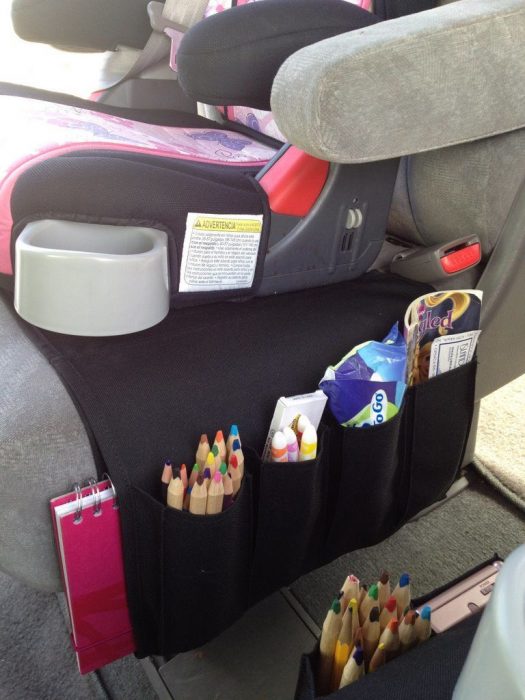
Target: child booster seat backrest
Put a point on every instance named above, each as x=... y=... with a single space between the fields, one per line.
x=262 y=120
x=258 y=119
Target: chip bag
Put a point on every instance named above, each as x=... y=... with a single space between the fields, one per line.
x=367 y=386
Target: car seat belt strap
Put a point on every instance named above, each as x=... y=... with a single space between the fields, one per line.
x=183 y=14
x=179 y=15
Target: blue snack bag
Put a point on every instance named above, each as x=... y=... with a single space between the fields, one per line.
x=367 y=386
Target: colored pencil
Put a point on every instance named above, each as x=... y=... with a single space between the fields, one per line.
x=423 y=624
x=210 y=463
x=383 y=588
x=237 y=452
x=176 y=491
x=228 y=492
x=402 y=594
x=194 y=474
x=330 y=632
x=217 y=459
x=202 y=451
x=167 y=476
x=378 y=659
x=369 y=602
x=407 y=631
x=371 y=634
x=184 y=475
x=199 y=497
x=234 y=435
x=215 y=495
x=354 y=669
x=388 y=612
x=350 y=588
x=221 y=445
x=235 y=475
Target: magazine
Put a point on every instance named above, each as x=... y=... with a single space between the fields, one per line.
x=441 y=331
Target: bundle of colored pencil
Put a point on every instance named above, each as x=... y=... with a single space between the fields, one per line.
x=366 y=627
x=214 y=480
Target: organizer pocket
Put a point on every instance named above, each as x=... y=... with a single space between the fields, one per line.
x=417 y=673
x=436 y=426
x=366 y=475
x=404 y=675
x=203 y=568
x=291 y=520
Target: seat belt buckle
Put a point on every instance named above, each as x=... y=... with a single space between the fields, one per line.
x=438 y=262
x=175 y=36
x=163 y=25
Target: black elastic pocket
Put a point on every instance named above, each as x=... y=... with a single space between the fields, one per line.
x=145 y=595
x=366 y=475
x=430 y=670
x=305 y=688
x=203 y=569
x=291 y=519
x=436 y=427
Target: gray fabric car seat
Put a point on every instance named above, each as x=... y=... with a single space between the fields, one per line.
x=42 y=442
x=97 y=25
x=462 y=190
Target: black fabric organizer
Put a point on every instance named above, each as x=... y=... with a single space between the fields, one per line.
x=149 y=396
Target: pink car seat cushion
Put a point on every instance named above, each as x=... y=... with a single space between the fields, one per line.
x=34 y=130
x=215 y=6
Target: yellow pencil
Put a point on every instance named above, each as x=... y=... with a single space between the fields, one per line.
x=344 y=645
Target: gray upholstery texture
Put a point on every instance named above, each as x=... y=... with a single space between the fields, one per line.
x=458 y=191
x=43 y=450
x=434 y=79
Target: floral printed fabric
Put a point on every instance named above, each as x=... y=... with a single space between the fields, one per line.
x=34 y=130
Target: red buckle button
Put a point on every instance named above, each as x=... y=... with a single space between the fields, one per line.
x=461 y=259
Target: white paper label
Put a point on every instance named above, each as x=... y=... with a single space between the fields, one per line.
x=452 y=351
x=220 y=251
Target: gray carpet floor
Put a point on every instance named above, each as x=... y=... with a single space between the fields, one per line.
x=435 y=549
x=502 y=462
x=36 y=660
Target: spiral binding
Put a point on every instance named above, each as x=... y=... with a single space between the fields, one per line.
x=95 y=491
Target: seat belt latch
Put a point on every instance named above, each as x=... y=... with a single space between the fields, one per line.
x=438 y=262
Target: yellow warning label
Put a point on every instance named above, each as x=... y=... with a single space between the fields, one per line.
x=226 y=224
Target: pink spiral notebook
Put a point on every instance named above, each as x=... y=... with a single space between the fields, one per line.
x=89 y=544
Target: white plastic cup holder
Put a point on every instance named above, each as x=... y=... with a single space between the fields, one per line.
x=91 y=279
